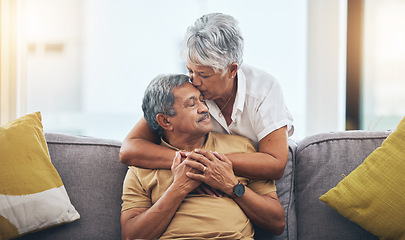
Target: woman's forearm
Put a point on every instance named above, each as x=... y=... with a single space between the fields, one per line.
x=269 y=162
x=145 y=154
x=140 y=148
x=257 y=165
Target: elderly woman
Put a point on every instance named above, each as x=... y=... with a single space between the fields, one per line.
x=242 y=100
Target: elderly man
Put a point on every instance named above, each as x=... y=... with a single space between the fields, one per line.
x=159 y=203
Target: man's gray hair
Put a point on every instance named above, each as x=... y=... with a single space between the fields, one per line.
x=214 y=40
x=159 y=98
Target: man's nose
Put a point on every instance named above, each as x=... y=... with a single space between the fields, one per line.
x=203 y=107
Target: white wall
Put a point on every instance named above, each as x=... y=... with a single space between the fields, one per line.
x=127 y=43
x=383 y=73
x=123 y=44
x=326 y=66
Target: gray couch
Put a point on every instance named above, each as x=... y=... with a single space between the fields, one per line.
x=93 y=177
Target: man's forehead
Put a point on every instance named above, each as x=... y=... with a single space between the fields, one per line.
x=185 y=90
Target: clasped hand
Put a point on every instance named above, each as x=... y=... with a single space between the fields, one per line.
x=179 y=170
x=212 y=168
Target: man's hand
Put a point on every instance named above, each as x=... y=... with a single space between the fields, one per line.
x=179 y=170
x=215 y=170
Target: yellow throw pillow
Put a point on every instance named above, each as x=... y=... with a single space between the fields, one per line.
x=32 y=194
x=373 y=195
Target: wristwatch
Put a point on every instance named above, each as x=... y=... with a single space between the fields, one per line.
x=238 y=190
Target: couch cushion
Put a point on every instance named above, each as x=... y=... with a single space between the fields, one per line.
x=32 y=194
x=373 y=195
x=322 y=161
x=93 y=177
x=285 y=192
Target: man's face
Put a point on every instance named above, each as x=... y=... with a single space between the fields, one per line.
x=192 y=118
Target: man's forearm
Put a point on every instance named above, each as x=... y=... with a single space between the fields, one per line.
x=217 y=172
x=265 y=211
x=153 y=222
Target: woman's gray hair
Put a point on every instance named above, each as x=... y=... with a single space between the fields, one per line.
x=214 y=40
x=159 y=98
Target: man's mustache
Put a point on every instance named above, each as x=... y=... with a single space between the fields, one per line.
x=205 y=115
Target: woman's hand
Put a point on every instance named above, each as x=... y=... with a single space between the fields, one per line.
x=203 y=188
x=215 y=169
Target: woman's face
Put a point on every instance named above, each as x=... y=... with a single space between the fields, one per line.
x=210 y=83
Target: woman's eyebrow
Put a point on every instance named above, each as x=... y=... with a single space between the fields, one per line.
x=199 y=72
x=204 y=72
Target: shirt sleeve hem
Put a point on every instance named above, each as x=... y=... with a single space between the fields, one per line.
x=273 y=127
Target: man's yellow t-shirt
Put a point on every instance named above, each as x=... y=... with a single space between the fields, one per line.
x=199 y=216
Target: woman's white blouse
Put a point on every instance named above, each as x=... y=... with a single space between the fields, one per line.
x=259 y=107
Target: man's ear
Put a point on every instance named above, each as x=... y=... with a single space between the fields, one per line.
x=164 y=122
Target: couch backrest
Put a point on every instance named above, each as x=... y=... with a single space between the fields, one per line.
x=93 y=175
x=321 y=163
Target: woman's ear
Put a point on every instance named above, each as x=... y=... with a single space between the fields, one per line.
x=233 y=69
x=164 y=122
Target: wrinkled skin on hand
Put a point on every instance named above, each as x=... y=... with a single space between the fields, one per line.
x=179 y=170
x=218 y=173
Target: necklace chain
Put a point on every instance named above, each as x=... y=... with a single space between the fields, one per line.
x=229 y=99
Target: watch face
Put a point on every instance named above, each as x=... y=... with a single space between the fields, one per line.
x=239 y=190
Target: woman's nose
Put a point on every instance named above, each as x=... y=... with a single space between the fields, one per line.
x=195 y=80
